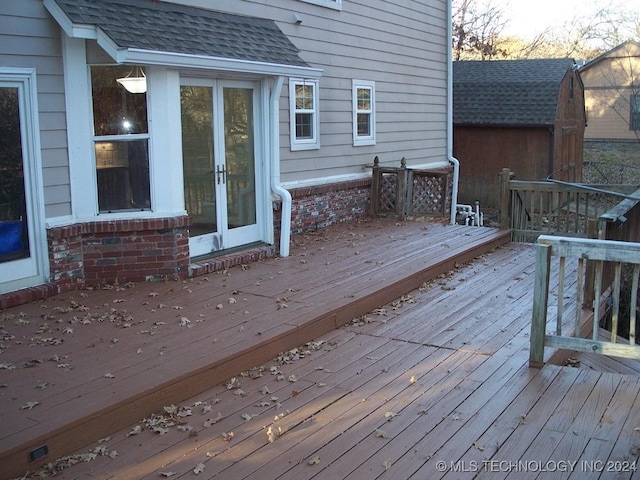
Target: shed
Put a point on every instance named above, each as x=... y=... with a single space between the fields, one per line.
x=524 y=115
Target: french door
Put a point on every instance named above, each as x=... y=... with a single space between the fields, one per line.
x=21 y=254
x=219 y=163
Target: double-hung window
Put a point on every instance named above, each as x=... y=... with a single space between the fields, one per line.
x=304 y=118
x=334 y=4
x=364 y=125
x=121 y=140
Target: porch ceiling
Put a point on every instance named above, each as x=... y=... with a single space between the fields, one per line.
x=160 y=33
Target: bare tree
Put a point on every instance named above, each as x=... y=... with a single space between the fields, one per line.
x=476 y=30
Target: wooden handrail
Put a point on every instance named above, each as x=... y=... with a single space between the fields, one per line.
x=570 y=335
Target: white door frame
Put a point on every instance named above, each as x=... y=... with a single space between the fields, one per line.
x=226 y=238
x=33 y=270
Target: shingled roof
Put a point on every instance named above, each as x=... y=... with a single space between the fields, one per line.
x=157 y=26
x=507 y=92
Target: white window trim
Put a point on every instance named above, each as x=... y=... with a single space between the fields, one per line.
x=334 y=4
x=305 y=143
x=360 y=140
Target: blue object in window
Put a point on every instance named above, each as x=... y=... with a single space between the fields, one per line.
x=10 y=236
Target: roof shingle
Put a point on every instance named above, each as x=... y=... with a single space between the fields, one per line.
x=507 y=92
x=165 y=27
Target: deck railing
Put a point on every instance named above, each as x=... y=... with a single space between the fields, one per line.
x=603 y=266
x=574 y=334
x=533 y=208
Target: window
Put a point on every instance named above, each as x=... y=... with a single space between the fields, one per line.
x=335 y=4
x=364 y=125
x=634 y=120
x=304 y=121
x=121 y=141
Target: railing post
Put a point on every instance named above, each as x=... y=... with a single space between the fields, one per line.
x=375 y=187
x=505 y=193
x=401 y=190
x=540 y=302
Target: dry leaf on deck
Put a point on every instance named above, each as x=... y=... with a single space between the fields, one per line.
x=387 y=464
x=199 y=468
x=390 y=415
x=478 y=446
x=315 y=460
x=109 y=375
x=265 y=390
x=167 y=474
x=381 y=433
x=227 y=436
x=137 y=430
x=211 y=421
x=29 y=405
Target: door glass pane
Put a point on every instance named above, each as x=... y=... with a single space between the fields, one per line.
x=239 y=156
x=14 y=235
x=198 y=159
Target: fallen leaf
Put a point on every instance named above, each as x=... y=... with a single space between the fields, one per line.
x=29 y=405
x=167 y=474
x=137 y=430
x=199 y=468
x=315 y=460
x=211 y=421
x=109 y=375
x=380 y=433
x=249 y=416
x=227 y=436
x=412 y=380
x=7 y=366
x=292 y=378
x=265 y=390
x=478 y=446
x=387 y=464
x=390 y=415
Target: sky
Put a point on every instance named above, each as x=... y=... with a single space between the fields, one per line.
x=528 y=18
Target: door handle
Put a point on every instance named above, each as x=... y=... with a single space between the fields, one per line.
x=221 y=174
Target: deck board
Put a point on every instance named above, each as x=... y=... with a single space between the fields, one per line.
x=451 y=363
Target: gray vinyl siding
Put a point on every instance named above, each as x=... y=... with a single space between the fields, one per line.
x=30 y=38
x=401 y=45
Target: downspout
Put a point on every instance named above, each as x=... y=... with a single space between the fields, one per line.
x=276 y=188
x=454 y=161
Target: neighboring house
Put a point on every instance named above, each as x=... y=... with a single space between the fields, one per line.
x=242 y=125
x=524 y=115
x=612 y=100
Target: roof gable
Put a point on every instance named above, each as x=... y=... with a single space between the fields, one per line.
x=128 y=28
x=508 y=92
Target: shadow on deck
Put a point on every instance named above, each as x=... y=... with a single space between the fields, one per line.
x=83 y=365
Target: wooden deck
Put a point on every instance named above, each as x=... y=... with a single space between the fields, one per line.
x=433 y=383
x=80 y=366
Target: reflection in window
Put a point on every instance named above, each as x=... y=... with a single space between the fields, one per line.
x=14 y=241
x=121 y=142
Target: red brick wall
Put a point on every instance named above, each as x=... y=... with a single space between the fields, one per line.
x=119 y=251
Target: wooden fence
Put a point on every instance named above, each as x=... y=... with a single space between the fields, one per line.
x=407 y=192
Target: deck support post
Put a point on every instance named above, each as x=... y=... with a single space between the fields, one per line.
x=505 y=194
x=540 y=303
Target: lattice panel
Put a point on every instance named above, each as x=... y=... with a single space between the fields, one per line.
x=428 y=194
x=388 y=192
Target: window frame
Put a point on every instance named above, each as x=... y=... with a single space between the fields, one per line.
x=313 y=143
x=119 y=138
x=362 y=140
x=333 y=4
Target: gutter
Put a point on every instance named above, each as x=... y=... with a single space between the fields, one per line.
x=276 y=187
x=454 y=161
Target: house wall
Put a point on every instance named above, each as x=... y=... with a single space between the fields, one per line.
x=484 y=152
x=399 y=45
x=608 y=92
x=29 y=38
